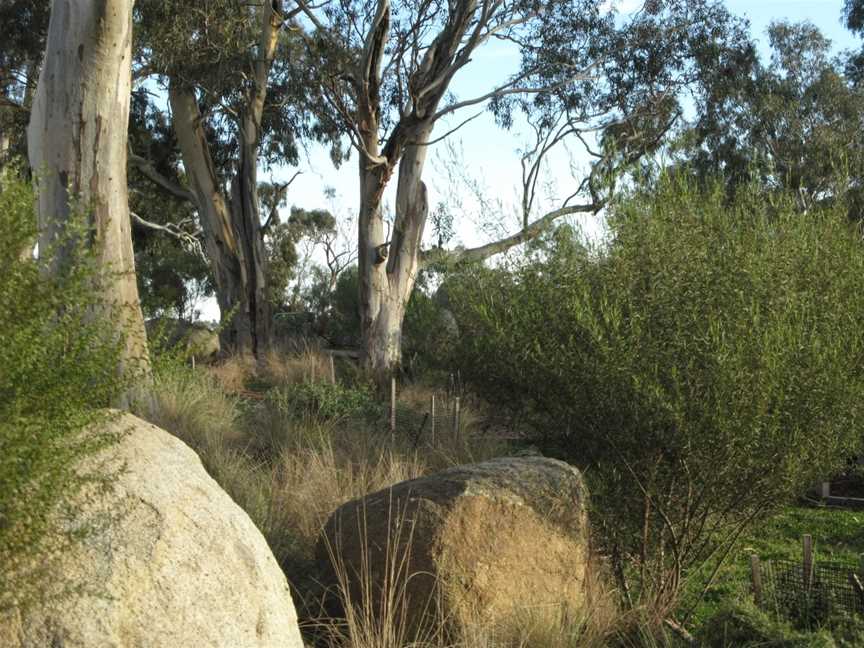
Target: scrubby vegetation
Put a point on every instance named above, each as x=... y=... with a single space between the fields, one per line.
x=704 y=367
x=702 y=363
x=58 y=371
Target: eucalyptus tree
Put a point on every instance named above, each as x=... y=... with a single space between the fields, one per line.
x=77 y=142
x=586 y=73
x=239 y=98
x=791 y=123
x=23 y=25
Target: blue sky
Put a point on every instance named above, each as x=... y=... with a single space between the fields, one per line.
x=490 y=155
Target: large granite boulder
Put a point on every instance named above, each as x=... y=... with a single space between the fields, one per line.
x=473 y=546
x=176 y=563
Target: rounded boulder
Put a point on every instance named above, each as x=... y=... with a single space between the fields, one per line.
x=472 y=546
x=171 y=561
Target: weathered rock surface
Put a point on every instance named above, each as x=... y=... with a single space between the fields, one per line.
x=180 y=564
x=195 y=338
x=481 y=542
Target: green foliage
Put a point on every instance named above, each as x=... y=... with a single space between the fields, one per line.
x=282 y=239
x=745 y=626
x=705 y=366
x=214 y=46
x=323 y=402
x=790 y=124
x=172 y=281
x=58 y=369
x=429 y=330
x=172 y=276
x=336 y=312
x=23 y=27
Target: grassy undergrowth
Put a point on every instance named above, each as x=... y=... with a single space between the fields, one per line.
x=838 y=536
x=290 y=449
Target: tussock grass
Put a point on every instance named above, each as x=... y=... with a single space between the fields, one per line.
x=290 y=471
x=377 y=614
x=289 y=366
x=233 y=373
x=314 y=481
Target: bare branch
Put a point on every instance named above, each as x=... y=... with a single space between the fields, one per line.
x=511 y=88
x=191 y=241
x=447 y=134
x=146 y=168
x=277 y=198
x=532 y=231
x=307 y=11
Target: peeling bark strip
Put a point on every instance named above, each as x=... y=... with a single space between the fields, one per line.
x=78 y=145
x=233 y=234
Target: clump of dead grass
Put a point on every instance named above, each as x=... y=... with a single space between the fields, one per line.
x=233 y=373
x=304 y=362
x=305 y=468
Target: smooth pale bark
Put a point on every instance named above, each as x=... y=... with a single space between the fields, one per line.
x=386 y=282
x=220 y=243
x=394 y=279
x=5 y=140
x=233 y=237
x=77 y=144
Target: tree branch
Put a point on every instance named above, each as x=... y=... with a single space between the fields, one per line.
x=146 y=168
x=511 y=88
x=277 y=199
x=532 y=231
x=190 y=240
x=447 y=134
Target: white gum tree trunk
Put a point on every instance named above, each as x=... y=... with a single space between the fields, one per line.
x=77 y=145
x=386 y=282
x=230 y=220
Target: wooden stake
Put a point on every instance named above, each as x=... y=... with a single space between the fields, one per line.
x=756 y=578
x=393 y=406
x=855 y=582
x=432 y=416
x=332 y=369
x=807 y=542
x=456 y=418
x=826 y=490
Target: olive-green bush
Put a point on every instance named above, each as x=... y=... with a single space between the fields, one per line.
x=704 y=365
x=58 y=371
x=744 y=626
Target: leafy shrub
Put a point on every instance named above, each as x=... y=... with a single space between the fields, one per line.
x=58 y=368
x=705 y=366
x=323 y=402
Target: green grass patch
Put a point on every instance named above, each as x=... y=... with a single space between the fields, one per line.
x=838 y=536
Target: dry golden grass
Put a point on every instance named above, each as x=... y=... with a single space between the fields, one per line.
x=291 y=483
x=233 y=373
x=313 y=482
x=377 y=615
x=305 y=363
x=195 y=407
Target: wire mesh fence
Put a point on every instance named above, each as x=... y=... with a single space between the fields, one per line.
x=437 y=418
x=830 y=589
x=808 y=591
